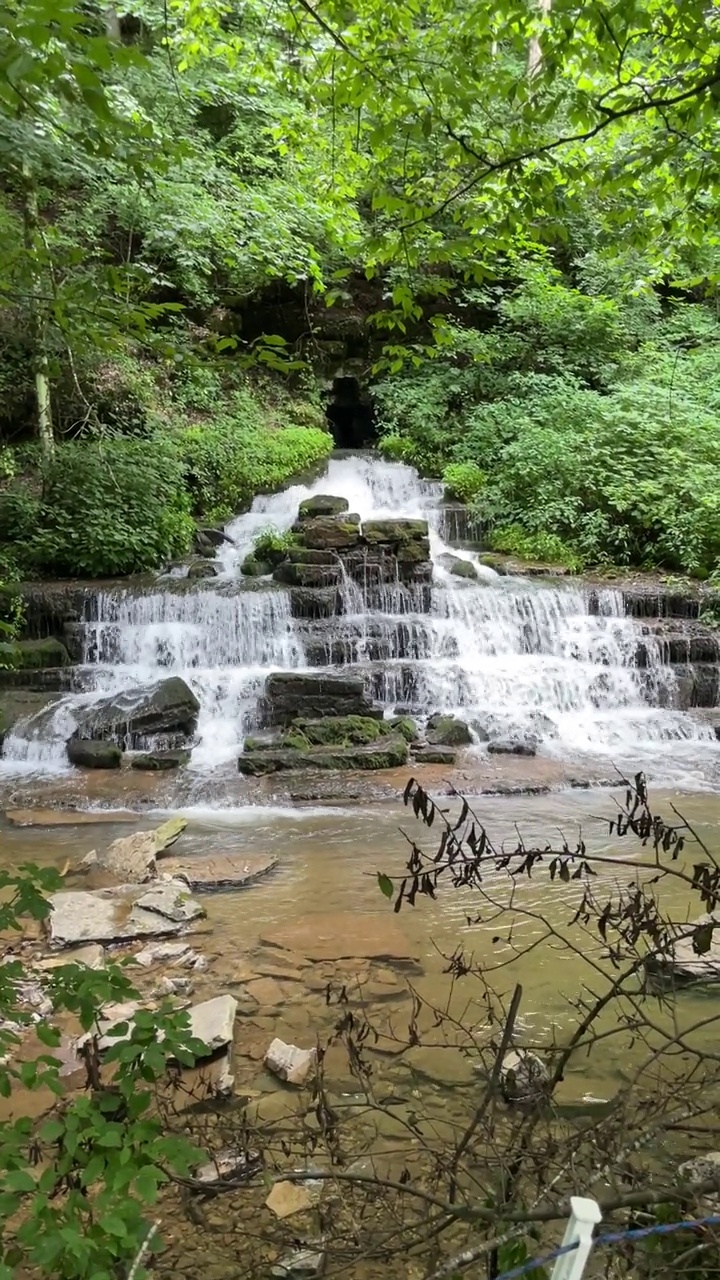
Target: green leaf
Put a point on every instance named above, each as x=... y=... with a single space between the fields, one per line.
x=385 y=885
x=19 y=1180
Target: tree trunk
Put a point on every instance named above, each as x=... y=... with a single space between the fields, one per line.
x=535 y=51
x=37 y=314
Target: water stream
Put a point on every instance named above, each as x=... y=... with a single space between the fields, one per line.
x=512 y=656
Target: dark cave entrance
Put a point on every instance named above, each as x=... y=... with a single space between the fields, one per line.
x=350 y=415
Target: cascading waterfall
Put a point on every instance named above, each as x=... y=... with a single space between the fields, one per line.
x=511 y=656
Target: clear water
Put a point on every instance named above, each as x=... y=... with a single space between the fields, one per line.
x=511 y=656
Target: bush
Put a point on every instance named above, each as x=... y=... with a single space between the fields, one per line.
x=228 y=463
x=463 y=480
x=271 y=543
x=112 y=507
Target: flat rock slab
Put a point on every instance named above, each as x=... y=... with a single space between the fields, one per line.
x=92 y=957
x=289 y=1198
x=213 y=1021
x=290 y=1063
x=65 y=817
x=342 y=936
x=172 y=901
x=685 y=965
x=112 y=915
x=222 y=871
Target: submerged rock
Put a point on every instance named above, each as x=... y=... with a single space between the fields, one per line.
x=86 y=753
x=523 y=1076
x=448 y=731
x=220 y=871
x=114 y=915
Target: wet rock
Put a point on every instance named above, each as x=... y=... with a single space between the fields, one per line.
x=700 y=1169
x=405 y=726
x=390 y=753
x=523 y=1077
x=448 y=731
x=329 y=532
x=495 y=562
x=214 y=535
x=427 y=753
x=160 y=761
x=322 y=504
x=288 y=696
x=88 y=754
x=394 y=532
x=221 y=871
x=32 y=655
x=314 y=602
x=341 y=731
x=169 y=706
x=306 y=1264
x=175 y=986
x=251 y=567
x=288 y=1198
x=459 y=567
x=511 y=747
x=178 y=954
x=289 y=1063
x=113 y=915
x=307 y=575
x=171 y=901
x=202 y=569
x=132 y=858
x=65 y=817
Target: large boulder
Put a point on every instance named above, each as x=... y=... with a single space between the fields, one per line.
x=33 y=655
x=87 y=754
x=322 y=504
x=394 y=532
x=170 y=706
x=289 y=696
x=448 y=731
x=330 y=532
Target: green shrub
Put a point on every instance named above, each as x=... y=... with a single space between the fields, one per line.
x=464 y=480
x=512 y=540
x=270 y=543
x=229 y=463
x=113 y=507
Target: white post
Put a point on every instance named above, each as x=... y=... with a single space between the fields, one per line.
x=584 y=1216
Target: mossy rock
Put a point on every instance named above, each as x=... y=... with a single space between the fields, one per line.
x=32 y=655
x=491 y=561
x=394 y=531
x=388 y=753
x=311 y=555
x=339 y=731
x=307 y=575
x=448 y=731
x=322 y=504
x=457 y=566
x=325 y=533
x=430 y=753
x=91 y=754
x=405 y=726
x=202 y=569
x=253 y=568
x=160 y=761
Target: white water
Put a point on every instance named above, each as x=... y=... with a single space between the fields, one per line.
x=512 y=657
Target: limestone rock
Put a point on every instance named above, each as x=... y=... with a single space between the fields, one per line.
x=289 y=1063
x=169 y=706
x=160 y=761
x=322 y=504
x=342 y=935
x=686 y=965
x=177 y=954
x=88 y=754
x=113 y=915
x=289 y=1198
x=91 y=957
x=511 y=747
x=172 y=901
x=448 y=731
x=132 y=858
x=307 y=1264
x=213 y=1021
x=523 y=1076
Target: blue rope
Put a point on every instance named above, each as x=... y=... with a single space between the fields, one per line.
x=614 y=1237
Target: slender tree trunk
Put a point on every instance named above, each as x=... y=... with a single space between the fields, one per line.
x=112 y=23
x=535 y=51
x=37 y=312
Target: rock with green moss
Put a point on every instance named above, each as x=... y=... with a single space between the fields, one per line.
x=394 y=532
x=448 y=731
x=341 y=730
x=458 y=566
x=322 y=504
x=251 y=567
x=203 y=569
x=387 y=753
x=89 y=754
x=311 y=555
x=405 y=726
x=330 y=532
x=307 y=575
x=33 y=655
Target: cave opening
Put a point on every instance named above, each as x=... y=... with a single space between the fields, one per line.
x=350 y=415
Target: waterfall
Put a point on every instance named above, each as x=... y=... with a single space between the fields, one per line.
x=511 y=656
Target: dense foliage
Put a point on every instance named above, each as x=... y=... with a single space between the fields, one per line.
x=506 y=215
